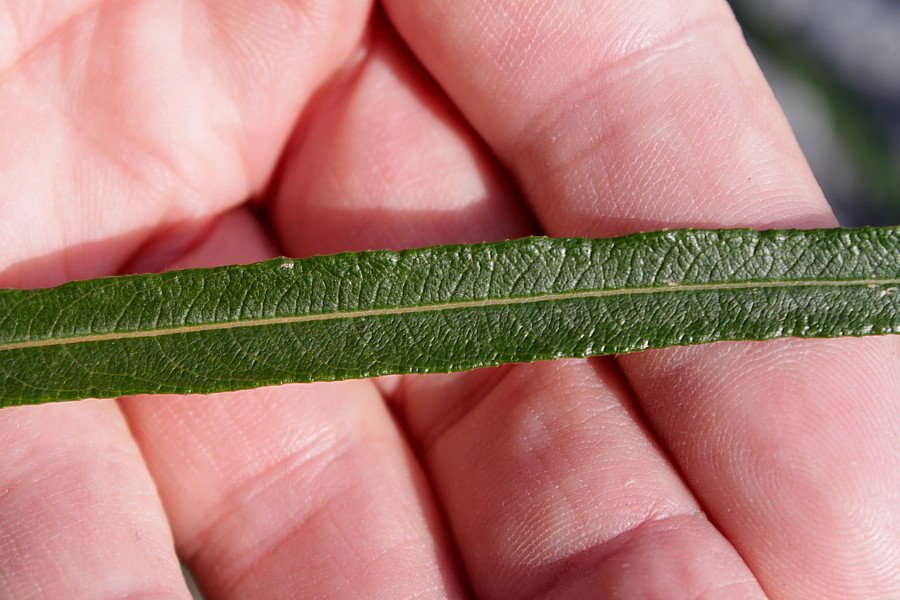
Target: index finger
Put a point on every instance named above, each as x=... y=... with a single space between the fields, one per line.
x=619 y=116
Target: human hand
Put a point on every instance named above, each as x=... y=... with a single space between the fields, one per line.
x=134 y=132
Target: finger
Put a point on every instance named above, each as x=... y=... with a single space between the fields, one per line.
x=79 y=514
x=555 y=490
x=105 y=109
x=527 y=461
x=294 y=491
x=638 y=115
x=126 y=121
x=616 y=117
x=388 y=162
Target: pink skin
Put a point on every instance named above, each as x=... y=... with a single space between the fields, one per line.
x=133 y=132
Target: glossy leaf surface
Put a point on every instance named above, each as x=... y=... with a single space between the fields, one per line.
x=441 y=309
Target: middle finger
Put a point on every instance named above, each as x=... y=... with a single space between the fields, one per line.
x=550 y=482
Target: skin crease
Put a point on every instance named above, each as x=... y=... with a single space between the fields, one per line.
x=135 y=131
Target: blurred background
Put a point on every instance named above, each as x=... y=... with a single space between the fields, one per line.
x=835 y=68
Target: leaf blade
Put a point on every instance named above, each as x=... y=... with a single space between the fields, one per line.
x=441 y=309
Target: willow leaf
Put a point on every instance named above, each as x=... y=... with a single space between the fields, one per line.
x=441 y=309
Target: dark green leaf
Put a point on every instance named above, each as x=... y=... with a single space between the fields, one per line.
x=441 y=309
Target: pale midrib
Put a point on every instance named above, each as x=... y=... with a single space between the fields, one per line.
x=404 y=310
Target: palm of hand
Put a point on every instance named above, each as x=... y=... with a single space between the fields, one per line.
x=133 y=134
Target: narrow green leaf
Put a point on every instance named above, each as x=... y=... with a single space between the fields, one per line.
x=441 y=309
